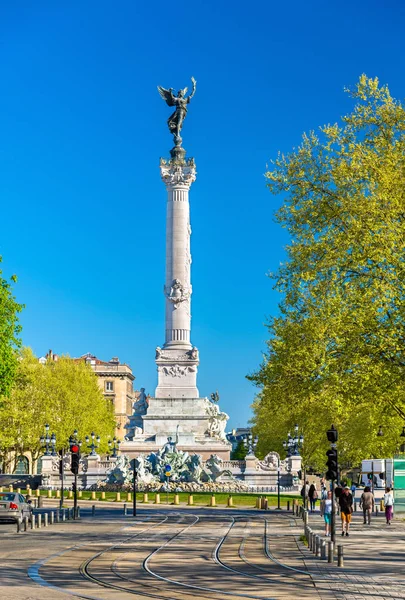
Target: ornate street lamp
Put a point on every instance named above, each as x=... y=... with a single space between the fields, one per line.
x=93 y=446
x=48 y=442
x=251 y=443
x=293 y=444
x=114 y=446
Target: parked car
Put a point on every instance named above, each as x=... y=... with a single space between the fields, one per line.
x=14 y=506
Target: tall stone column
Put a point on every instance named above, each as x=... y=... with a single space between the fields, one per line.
x=177 y=361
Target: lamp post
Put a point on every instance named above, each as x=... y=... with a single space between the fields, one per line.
x=114 y=446
x=293 y=446
x=251 y=443
x=93 y=447
x=48 y=442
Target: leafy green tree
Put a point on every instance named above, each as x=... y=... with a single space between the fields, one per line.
x=65 y=394
x=9 y=334
x=240 y=451
x=337 y=350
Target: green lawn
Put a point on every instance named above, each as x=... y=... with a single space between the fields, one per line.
x=201 y=498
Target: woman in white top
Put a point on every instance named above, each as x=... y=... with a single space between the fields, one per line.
x=389 y=504
x=326 y=512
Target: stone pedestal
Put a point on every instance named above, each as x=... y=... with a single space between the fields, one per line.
x=294 y=463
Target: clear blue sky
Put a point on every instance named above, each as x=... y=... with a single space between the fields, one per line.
x=82 y=128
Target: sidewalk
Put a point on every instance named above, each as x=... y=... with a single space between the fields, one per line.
x=374 y=560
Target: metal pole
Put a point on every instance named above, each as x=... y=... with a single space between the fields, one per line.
x=372 y=476
x=134 y=493
x=63 y=480
x=278 y=485
x=75 y=497
x=333 y=516
x=305 y=487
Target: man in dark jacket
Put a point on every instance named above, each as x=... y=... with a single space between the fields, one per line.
x=346 y=509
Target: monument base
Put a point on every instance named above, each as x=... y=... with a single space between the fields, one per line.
x=203 y=447
x=196 y=423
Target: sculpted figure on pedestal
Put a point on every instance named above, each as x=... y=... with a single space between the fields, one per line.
x=175 y=121
x=171 y=447
x=217 y=421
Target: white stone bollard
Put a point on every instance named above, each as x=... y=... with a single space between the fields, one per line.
x=46 y=519
x=33 y=519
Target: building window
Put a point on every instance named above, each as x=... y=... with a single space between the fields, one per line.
x=22 y=466
x=109 y=386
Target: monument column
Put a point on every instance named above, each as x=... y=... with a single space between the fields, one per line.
x=178 y=179
x=177 y=361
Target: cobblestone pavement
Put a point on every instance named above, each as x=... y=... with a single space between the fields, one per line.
x=183 y=553
x=374 y=559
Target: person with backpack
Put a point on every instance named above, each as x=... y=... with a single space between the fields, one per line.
x=389 y=505
x=313 y=496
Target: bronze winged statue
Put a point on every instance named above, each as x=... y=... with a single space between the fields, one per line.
x=175 y=121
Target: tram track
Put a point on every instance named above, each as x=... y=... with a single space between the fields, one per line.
x=162 y=587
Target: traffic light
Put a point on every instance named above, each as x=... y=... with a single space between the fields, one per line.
x=75 y=458
x=332 y=435
x=332 y=464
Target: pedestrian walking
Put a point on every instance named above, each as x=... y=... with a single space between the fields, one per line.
x=304 y=492
x=367 y=503
x=326 y=512
x=313 y=496
x=389 y=505
x=346 y=509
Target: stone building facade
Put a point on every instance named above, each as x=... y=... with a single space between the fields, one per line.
x=116 y=382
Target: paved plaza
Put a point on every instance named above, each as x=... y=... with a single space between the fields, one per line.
x=180 y=553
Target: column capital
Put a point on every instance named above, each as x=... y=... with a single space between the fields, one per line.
x=178 y=174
